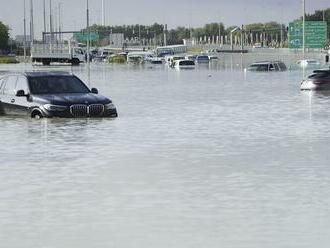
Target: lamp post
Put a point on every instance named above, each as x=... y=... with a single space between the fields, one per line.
x=31 y=22
x=303 y=26
x=59 y=21
x=88 y=40
x=51 y=22
x=103 y=14
x=231 y=37
x=44 y=7
x=24 y=21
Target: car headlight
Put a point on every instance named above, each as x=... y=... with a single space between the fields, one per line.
x=109 y=106
x=51 y=107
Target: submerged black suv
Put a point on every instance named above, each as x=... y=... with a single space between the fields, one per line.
x=51 y=94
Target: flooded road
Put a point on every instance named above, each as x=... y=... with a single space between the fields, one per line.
x=211 y=157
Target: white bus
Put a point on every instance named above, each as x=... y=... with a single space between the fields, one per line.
x=170 y=50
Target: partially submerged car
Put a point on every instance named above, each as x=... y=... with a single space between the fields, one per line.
x=267 y=66
x=308 y=63
x=200 y=59
x=184 y=64
x=51 y=94
x=319 y=80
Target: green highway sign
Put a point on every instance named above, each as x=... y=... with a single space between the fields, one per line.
x=80 y=37
x=315 y=34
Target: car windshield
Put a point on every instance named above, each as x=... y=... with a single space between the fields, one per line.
x=187 y=62
x=56 y=85
x=259 y=67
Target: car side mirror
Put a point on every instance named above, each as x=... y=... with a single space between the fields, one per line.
x=94 y=91
x=20 y=93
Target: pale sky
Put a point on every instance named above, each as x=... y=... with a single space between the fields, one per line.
x=194 y=13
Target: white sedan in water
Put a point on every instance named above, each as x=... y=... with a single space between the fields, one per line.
x=308 y=63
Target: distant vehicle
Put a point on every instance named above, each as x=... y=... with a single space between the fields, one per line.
x=170 y=60
x=202 y=59
x=267 y=66
x=184 y=64
x=213 y=57
x=319 y=80
x=191 y=57
x=156 y=60
x=170 y=50
x=259 y=45
x=61 y=53
x=51 y=94
x=308 y=63
x=99 y=55
x=139 y=57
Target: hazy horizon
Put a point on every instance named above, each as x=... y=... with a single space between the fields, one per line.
x=191 y=13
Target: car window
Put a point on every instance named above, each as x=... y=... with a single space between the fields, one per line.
x=282 y=66
x=277 y=68
x=187 y=62
x=78 y=51
x=9 y=88
x=56 y=85
x=22 y=84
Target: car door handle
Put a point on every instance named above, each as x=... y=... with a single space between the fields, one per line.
x=12 y=100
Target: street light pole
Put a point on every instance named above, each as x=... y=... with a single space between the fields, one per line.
x=219 y=39
x=51 y=22
x=88 y=48
x=59 y=21
x=24 y=21
x=31 y=22
x=304 y=11
x=103 y=13
x=44 y=5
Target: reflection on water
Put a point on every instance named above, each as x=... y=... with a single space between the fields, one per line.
x=211 y=157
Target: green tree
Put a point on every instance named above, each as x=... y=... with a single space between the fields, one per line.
x=4 y=36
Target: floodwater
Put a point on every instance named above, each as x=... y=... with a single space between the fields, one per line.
x=211 y=157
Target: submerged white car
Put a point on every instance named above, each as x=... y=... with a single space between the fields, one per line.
x=308 y=62
x=184 y=64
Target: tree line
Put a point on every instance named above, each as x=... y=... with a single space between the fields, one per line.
x=176 y=35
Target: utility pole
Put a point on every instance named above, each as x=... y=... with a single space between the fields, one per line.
x=59 y=21
x=242 y=38
x=31 y=22
x=219 y=33
x=24 y=21
x=304 y=11
x=231 y=37
x=88 y=48
x=103 y=13
x=45 y=28
x=51 y=22
x=281 y=43
x=165 y=35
